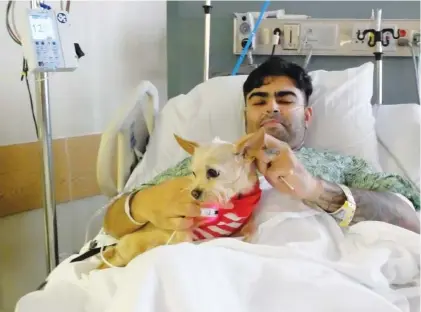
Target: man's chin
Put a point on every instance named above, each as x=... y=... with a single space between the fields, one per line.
x=277 y=132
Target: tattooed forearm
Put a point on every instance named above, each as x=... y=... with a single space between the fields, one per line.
x=386 y=207
x=332 y=198
x=371 y=206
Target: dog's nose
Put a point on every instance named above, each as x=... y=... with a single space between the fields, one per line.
x=196 y=193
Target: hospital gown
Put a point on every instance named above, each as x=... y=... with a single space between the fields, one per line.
x=348 y=170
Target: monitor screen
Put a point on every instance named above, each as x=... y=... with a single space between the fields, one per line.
x=42 y=27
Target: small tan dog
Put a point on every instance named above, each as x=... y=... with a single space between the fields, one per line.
x=224 y=181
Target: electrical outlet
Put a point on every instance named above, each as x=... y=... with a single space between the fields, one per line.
x=392 y=41
x=291 y=38
x=319 y=37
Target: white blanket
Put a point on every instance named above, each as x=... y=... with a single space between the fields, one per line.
x=300 y=261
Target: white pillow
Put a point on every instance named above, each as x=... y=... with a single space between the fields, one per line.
x=343 y=120
x=398 y=128
x=210 y=109
x=215 y=108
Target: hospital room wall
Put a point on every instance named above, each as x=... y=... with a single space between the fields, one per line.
x=186 y=28
x=124 y=44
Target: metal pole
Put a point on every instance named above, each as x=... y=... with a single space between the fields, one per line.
x=379 y=62
x=207 y=7
x=44 y=129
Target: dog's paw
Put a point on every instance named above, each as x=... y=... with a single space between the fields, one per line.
x=248 y=230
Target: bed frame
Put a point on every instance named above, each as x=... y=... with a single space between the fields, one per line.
x=124 y=142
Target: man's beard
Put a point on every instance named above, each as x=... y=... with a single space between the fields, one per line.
x=289 y=132
x=279 y=132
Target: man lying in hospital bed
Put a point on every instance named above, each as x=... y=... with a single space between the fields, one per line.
x=299 y=253
x=276 y=97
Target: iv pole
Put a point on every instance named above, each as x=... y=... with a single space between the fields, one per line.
x=207 y=8
x=42 y=93
x=377 y=40
x=379 y=55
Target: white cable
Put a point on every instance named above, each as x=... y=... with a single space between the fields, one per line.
x=97 y=213
x=171 y=238
x=13 y=24
x=275 y=39
x=308 y=58
x=101 y=253
x=416 y=68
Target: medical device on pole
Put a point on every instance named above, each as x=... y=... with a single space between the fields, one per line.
x=48 y=47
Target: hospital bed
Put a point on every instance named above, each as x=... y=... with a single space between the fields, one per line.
x=139 y=143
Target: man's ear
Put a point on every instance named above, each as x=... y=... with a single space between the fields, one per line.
x=308 y=114
x=250 y=144
x=188 y=146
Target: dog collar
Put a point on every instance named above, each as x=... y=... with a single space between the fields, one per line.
x=255 y=190
x=247 y=201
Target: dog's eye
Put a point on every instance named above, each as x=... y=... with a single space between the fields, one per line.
x=194 y=174
x=212 y=173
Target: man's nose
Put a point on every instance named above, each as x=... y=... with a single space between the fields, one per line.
x=273 y=107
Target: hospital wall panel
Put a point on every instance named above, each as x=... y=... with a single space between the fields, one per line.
x=185 y=52
x=124 y=43
x=21 y=185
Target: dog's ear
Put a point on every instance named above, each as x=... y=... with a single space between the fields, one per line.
x=188 y=146
x=251 y=144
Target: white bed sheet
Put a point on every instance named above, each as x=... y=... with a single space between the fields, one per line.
x=300 y=260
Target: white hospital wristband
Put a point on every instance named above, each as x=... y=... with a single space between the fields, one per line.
x=346 y=213
x=127 y=209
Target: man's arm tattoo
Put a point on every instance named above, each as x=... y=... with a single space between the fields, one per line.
x=332 y=198
x=371 y=206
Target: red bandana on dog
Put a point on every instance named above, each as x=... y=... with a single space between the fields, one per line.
x=230 y=220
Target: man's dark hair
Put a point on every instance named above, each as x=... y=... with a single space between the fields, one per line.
x=276 y=67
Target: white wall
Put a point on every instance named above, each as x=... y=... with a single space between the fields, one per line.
x=124 y=42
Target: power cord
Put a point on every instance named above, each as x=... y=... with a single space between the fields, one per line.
x=275 y=40
x=24 y=75
x=10 y=24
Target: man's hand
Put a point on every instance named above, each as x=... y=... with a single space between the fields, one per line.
x=285 y=172
x=168 y=206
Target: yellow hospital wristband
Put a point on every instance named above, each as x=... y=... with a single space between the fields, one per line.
x=346 y=213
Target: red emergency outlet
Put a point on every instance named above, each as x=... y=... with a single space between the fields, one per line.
x=402 y=32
